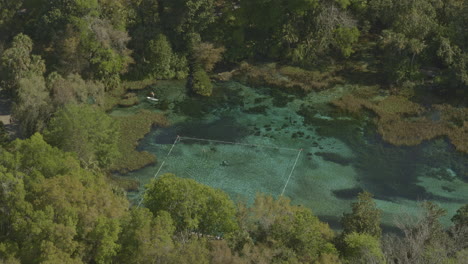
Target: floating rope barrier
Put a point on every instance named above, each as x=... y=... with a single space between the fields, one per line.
x=160 y=167
x=179 y=138
x=292 y=170
x=236 y=143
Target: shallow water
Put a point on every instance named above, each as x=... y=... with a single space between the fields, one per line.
x=298 y=146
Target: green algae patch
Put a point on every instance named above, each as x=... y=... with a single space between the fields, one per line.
x=132 y=129
x=402 y=122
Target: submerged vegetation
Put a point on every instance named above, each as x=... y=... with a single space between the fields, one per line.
x=64 y=63
x=132 y=129
x=402 y=122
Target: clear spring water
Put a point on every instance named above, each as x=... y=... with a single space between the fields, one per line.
x=340 y=156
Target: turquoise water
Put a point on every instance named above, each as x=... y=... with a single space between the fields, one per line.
x=334 y=156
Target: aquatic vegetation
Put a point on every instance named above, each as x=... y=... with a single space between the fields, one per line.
x=132 y=129
x=138 y=85
x=118 y=95
x=402 y=122
x=284 y=77
x=130 y=99
x=260 y=109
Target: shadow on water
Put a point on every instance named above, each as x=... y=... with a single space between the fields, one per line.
x=348 y=194
x=334 y=223
x=387 y=171
x=225 y=129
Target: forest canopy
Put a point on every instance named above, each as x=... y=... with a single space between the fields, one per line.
x=64 y=63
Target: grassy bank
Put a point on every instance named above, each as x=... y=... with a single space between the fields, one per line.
x=119 y=96
x=133 y=128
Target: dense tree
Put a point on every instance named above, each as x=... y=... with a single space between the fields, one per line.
x=459 y=230
x=424 y=240
x=160 y=58
x=73 y=89
x=32 y=106
x=17 y=62
x=145 y=238
x=86 y=131
x=8 y=10
x=187 y=16
x=201 y=83
x=364 y=218
x=52 y=209
x=363 y=248
x=460 y=219
x=282 y=232
x=55 y=206
x=193 y=206
x=206 y=55
x=4 y=137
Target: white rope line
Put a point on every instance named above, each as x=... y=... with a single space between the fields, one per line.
x=292 y=170
x=235 y=143
x=160 y=167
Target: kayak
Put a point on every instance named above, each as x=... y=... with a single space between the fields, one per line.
x=152 y=99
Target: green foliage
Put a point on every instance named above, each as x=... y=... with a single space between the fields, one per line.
x=145 y=238
x=104 y=237
x=73 y=89
x=425 y=240
x=188 y=16
x=293 y=232
x=160 y=58
x=106 y=48
x=345 y=38
x=363 y=248
x=17 y=63
x=303 y=233
x=461 y=217
x=38 y=159
x=206 y=55
x=364 y=218
x=201 y=83
x=52 y=209
x=4 y=137
x=8 y=9
x=86 y=131
x=193 y=206
x=194 y=251
x=32 y=107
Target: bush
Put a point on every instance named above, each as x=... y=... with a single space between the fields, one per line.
x=86 y=131
x=201 y=83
